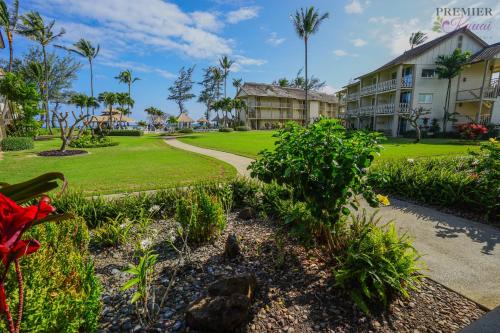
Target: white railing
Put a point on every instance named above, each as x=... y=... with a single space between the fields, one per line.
x=386 y=85
x=407 y=82
x=492 y=91
x=352 y=112
x=386 y=108
x=366 y=110
x=404 y=107
x=367 y=90
x=270 y=104
x=353 y=96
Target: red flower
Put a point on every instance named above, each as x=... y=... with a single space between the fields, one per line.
x=14 y=221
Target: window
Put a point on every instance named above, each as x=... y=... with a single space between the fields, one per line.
x=460 y=41
x=428 y=73
x=425 y=98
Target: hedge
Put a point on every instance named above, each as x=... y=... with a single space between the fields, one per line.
x=186 y=130
x=226 y=129
x=17 y=143
x=242 y=128
x=125 y=133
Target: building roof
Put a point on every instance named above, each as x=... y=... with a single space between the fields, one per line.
x=184 y=118
x=419 y=50
x=269 y=90
x=116 y=118
x=202 y=120
x=487 y=53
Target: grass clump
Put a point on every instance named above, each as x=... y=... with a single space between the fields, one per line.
x=17 y=143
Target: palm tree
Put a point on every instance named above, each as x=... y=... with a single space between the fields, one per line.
x=239 y=105
x=109 y=99
x=127 y=78
x=306 y=23
x=225 y=64
x=449 y=66
x=93 y=103
x=225 y=105
x=417 y=38
x=79 y=100
x=123 y=99
x=35 y=29
x=84 y=48
x=218 y=76
x=8 y=20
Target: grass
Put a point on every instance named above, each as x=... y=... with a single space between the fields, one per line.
x=136 y=164
x=249 y=144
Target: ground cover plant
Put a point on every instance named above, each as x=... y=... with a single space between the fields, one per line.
x=13 y=143
x=89 y=141
x=116 y=169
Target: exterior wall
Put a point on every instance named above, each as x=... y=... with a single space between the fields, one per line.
x=313 y=110
x=495 y=113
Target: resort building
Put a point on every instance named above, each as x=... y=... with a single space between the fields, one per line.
x=379 y=99
x=270 y=106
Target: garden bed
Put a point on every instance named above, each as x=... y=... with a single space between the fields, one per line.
x=58 y=153
x=294 y=289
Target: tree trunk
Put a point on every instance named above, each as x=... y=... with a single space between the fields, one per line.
x=417 y=131
x=306 y=87
x=446 y=106
x=92 y=85
x=111 y=116
x=11 y=50
x=46 y=89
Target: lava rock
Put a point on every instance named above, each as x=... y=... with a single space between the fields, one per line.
x=241 y=284
x=247 y=213
x=232 y=247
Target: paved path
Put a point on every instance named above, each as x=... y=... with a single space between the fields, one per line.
x=460 y=254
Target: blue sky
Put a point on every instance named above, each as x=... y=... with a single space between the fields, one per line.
x=155 y=38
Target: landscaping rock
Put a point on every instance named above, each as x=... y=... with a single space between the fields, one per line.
x=247 y=213
x=219 y=313
x=232 y=247
x=242 y=284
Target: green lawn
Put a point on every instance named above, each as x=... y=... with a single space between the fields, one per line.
x=250 y=143
x=138 y=163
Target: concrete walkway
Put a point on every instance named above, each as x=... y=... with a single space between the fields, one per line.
x=462 y=255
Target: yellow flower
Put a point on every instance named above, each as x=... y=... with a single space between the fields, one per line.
x=383 y=200
x=492 y=140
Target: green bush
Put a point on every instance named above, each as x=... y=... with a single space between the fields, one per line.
x=118 y=132
x=242 y=128
x=17 y=143
x=463 y=183
x=62 y=294
x=246 y=192
x=113 y=232
x=88 y=141
x=201 y=216
x=186 y=130
x=376 y=264
x=323 y=165
x=226 y=129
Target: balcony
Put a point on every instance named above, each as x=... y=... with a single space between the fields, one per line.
x=352 y=96
x=275 y=105
x=279 y=115
x=407 y=82
x=386 y=85
x=368 y=90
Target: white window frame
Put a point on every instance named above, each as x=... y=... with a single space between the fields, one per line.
x=428 y=77
x=425 y=100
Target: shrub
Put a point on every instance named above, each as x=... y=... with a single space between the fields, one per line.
x=246 y=192
x=242 y=128
x=323 y=165
x=113 y=232
x=376 y=264
x=88 y=141
x=201 y=216
x=118 y=132
x=17 y=143
x=186 y=130
x=226 y=129
x=471 y=131
x=62 y=293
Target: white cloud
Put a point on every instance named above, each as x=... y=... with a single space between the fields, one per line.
x=241 y=61
x=354 y=7
x=208 y=21
x=327 y=89
x=340 y=53
x=274 y=39
x=242 y=14
x=142 y=68
x=358 y=42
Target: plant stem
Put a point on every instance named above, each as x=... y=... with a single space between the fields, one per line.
x=7 y=311
x=21 y=295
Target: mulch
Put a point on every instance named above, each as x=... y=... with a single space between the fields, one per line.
x=58 y=153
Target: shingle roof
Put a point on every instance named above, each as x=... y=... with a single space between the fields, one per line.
x=485 y=54
x=184 y=118
x=415 y=52
x=269 y=90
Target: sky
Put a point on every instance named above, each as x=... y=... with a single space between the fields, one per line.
x=155 y=38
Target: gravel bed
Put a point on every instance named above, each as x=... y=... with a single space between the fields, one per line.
x=294 y=293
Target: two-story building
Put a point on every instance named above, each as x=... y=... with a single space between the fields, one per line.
x=270 y=106
x=378 y=99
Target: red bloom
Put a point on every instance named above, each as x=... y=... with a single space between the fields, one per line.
x=14 y=221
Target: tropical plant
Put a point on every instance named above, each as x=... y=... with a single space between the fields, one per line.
x=417 y=38
x=225 y=105
x=225 y=63
x=238 y=105
x=127 y=78
x=156 y=116
x=113 y=232
x=376 y=264
x=8 y=21
x=323 y=165
x=34 y=27
x=237 y=84
x=313 y=83
x=210 y=89
x=180 y=91
x=108 y=99
x=306 y=23
x=84 y=48
x=448 y=67
x=413 y=117
x=471 y=131
x=124 y=99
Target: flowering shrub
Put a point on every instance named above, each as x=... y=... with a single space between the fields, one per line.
x=471 y=131
x=88 y=141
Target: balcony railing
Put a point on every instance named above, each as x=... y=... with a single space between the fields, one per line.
x=270 y=104
x=352 y=96
x=386 y=85
x=274 y=115
x=367 y=90
x=381 y=109
x=407 y=82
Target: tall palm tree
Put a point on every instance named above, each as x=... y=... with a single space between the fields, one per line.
x=306 y=23
x=217 y=76
x=84 y=48
x=34 y=27
x=417 y=38
x=8 y=20
x=238 y=105
x=123 y=99
x=93 y=103
x=237 y=84
x=448 y=67
x=127 y=78
x=225 y=64
x=79 y=100
x=108 y=99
